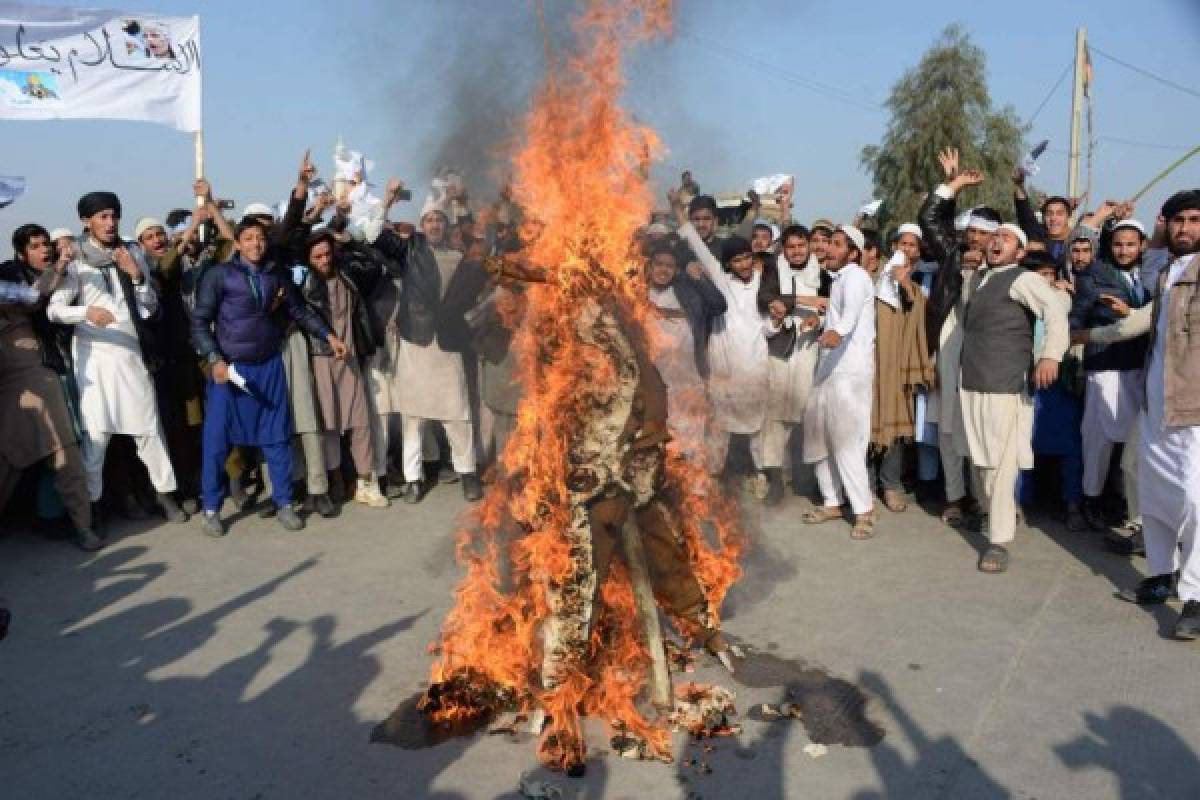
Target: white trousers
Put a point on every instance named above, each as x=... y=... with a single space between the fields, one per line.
x=776 y=435
x=459 y=433
x=844 y=475
x=718 y=449
x=999 y=488
x=150 y=449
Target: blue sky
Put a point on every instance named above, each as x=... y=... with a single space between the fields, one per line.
x=729 y=95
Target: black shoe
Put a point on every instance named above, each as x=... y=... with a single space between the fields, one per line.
x=1188 y=626
x=132 y=508
x=1132 y=545
x=1076 y=521
x=471 y=487
x=170 y=509
x=289 y=519
x=774 y=486
x=268 y=510
x=323 y=504
x=393 y=487
x=412 y=492
x=1152 y=591
x=212 y=524
x=238 y=496
x=88 y=541
x=1093 y=514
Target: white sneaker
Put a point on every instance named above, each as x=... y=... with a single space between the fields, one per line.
x=367 y=492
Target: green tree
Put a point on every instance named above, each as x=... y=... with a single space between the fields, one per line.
x=943 y=102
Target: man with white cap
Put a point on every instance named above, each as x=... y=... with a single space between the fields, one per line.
x=956 y=264
x=421 y=369
x=837 y=420
x=107 y=296
x=1103 y=294
x=1000 y=305
x=788 y=295
x=1169 y=427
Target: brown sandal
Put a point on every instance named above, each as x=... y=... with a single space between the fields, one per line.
x=894 y=501
x=864 y=525
x=995 y=559
x=819 y=514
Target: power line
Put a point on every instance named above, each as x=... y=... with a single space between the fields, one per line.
x=1057 y=83
x=1149 y=145
x=1146 y=73
x=745 y=59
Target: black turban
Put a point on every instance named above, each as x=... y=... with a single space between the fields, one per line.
x=702 y=202
x=93 y=203
x=1037 y=259
x=734 y=246
x=1187 y=200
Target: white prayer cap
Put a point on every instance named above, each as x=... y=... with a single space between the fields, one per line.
x=258 y=210
x=60 y=233
x=981 y=223
x=432 y=203
x=1130 y=223
x=146 y=223
x=854 y=235
x=1016 y=231
x=657 y=229
x=910 y=227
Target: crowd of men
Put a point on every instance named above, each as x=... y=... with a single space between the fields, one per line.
x=307 y=355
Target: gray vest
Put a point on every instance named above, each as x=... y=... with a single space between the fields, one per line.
x=997 y=338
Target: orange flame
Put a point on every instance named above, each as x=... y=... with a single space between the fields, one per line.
x=581 y=170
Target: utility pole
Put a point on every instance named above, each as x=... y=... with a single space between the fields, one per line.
x=1077 y=111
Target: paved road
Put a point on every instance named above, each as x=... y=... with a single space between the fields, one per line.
x=171 y=665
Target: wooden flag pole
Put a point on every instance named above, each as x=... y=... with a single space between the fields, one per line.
x=198 y=143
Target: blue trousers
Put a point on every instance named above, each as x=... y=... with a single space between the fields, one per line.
x=214 y=483
x=255 y=417
x=1070 y=472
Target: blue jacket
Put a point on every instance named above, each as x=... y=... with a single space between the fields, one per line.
x=1088 y=312
x=235 y=307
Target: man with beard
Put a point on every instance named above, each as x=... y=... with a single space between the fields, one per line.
x=35 y=424
x=179 y=384
x=837 y=420
x=107 y=296
x=1169 y=450
x=956 y=264
x=1082 y=255
x=1114 y=372
x=1001 y=304
x=421 y=373
x=788 y=295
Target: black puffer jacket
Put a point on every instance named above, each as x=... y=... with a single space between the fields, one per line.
x=426 y=312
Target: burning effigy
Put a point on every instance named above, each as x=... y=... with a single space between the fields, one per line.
x=594 y=519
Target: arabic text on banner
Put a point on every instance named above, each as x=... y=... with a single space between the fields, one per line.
x=65 y=63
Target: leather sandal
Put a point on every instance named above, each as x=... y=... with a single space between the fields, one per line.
x=819 y=514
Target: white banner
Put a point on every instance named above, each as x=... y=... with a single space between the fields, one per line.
x=68 y=63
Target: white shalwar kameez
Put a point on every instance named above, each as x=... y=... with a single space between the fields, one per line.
x=737 y=357
x=789 y=380
x=1110 y=410
x=837 y=421
x=116 y=392
x=1169 y=469
x=998 y=427
x=687 y=405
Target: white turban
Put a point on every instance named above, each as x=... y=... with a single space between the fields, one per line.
x=910 y=227
x=144 y=224
x=60 y=233
x=980 y=223
x=854 y=235
x=1017 y=232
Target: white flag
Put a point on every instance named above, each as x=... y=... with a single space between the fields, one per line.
x=67 y=63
